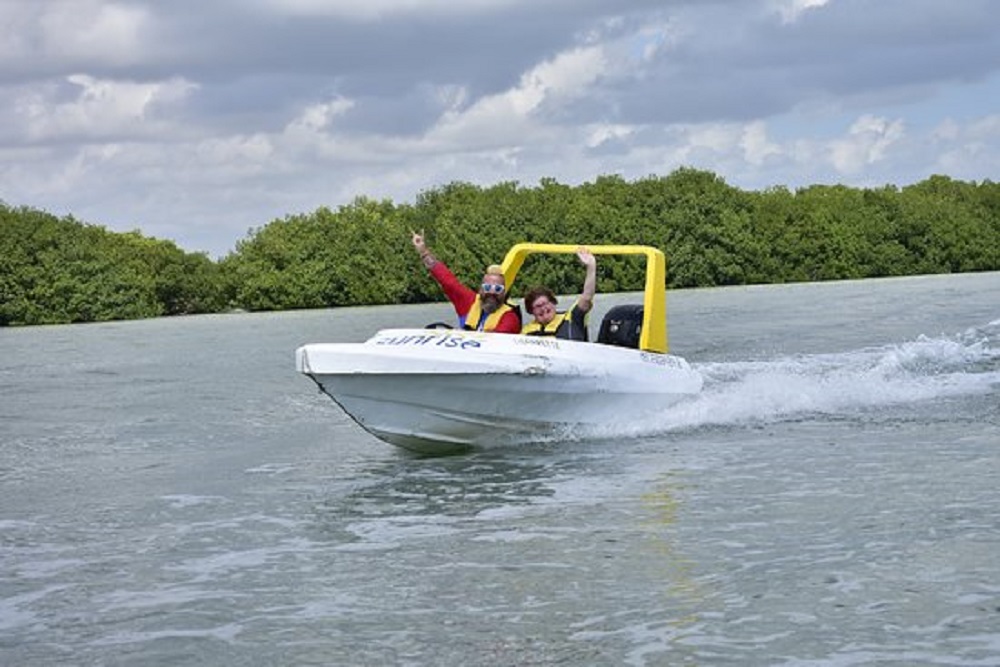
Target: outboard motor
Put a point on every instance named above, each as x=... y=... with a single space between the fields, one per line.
x=622 y=326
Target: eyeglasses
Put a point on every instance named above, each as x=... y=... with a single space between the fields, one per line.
x=493 y=287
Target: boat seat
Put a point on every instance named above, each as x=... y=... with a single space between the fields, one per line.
x=622 y=326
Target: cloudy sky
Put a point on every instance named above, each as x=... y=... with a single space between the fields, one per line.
x=196 y=120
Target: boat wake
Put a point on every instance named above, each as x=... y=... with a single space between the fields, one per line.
x=843 y=384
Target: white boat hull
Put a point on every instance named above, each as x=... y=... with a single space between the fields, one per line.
x=438 y=390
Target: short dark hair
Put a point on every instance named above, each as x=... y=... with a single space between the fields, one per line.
x=534 y=293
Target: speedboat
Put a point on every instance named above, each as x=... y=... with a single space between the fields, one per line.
x=439 y=390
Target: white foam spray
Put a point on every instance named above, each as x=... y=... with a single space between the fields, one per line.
x=788 y=388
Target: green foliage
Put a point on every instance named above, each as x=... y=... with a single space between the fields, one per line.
x=60 y=270
x=358 y=255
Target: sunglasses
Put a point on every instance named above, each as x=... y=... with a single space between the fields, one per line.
x=491 y=287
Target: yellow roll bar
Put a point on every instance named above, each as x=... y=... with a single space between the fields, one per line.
x=653 y=337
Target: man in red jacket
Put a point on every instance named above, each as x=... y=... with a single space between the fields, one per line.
x=485 y=310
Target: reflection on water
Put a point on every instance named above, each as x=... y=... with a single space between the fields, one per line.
x=543 y=540
x=405 y=496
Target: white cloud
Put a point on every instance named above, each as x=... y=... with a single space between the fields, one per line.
x=792 y=10
x=605 y=133
x=318 y=117
x=564 y=78
x=867 y=142
x=755 y=144
x=102 y=108
x=504 y=117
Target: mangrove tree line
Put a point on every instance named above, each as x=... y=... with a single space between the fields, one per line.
x=61 y=270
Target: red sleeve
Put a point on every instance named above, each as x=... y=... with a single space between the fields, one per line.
x=460 y=296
